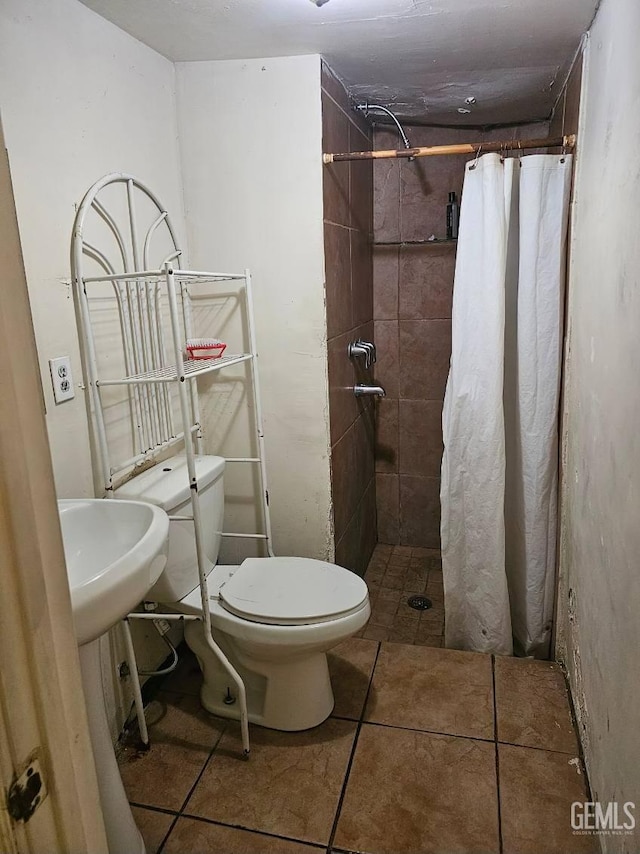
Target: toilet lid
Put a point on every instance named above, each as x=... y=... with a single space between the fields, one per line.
x=292 y=591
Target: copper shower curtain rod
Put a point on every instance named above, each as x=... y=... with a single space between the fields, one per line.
x=477 y=148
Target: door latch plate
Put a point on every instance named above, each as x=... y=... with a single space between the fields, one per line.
x=27 y=791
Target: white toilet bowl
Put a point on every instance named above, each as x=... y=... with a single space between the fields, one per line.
x=283 y=664
x=274 y=618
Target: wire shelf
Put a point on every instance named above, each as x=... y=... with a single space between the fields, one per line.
x=153 y=304
x=170 y=373
x=159 y=276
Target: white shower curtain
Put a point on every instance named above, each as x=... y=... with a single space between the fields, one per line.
x=500 y=416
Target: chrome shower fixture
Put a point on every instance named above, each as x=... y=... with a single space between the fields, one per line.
x=319 y=2
x=367 y=390
x=362 y=348
x=366 y=108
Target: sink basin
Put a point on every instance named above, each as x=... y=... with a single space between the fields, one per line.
x=115 y=552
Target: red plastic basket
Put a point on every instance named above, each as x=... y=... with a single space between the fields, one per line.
x=212 y=351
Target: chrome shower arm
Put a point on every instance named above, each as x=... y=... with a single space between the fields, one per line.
x=365 y=108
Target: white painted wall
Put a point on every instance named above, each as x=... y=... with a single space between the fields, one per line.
x=79 y=98
x=599 y=599
x=251 y=143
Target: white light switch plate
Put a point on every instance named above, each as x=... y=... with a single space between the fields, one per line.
x=61 y=378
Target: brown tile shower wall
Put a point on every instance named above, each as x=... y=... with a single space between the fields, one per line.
x=413 y=289
x=348 y=225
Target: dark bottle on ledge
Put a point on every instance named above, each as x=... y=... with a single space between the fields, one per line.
x=453 y=212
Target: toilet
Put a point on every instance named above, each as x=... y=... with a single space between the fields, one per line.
x=275 y=618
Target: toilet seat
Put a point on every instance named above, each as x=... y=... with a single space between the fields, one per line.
x=292 y=591
x=289 y=591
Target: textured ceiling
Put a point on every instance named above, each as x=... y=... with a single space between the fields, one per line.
x=422 y=58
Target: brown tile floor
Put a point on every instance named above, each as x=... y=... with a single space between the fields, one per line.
x=394 y=574
x=428 y=751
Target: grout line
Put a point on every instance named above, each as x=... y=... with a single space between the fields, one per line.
x=495 y=741
x=341 y=225
x=343 y=718
x=369 y=686
x=243 y=827
x=427 y=731
x=445 y=319
x=420 y=320
x=162 y=810
x=572 y=753
x=197 y=780
x=349 y=118
x=202 y=770
x=351 y=518
x=353 y=329
x=353 y=751
x=418 y=399
x=165 y=838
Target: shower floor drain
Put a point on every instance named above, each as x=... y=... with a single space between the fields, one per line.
x=419 y=603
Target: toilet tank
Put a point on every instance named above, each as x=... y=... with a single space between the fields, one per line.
x=167 y=485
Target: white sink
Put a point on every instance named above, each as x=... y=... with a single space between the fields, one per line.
x=115 y=552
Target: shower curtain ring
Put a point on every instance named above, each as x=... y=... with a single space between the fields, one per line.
x=475 y=162
x=520 y=149
x=563 y=153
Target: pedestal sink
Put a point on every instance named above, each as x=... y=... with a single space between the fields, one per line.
x=115 y=552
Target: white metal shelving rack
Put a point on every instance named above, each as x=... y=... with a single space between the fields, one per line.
x=155 y=319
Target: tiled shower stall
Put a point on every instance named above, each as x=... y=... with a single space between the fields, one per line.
x=389 y=278
x=348 y=212
x=413 y=289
